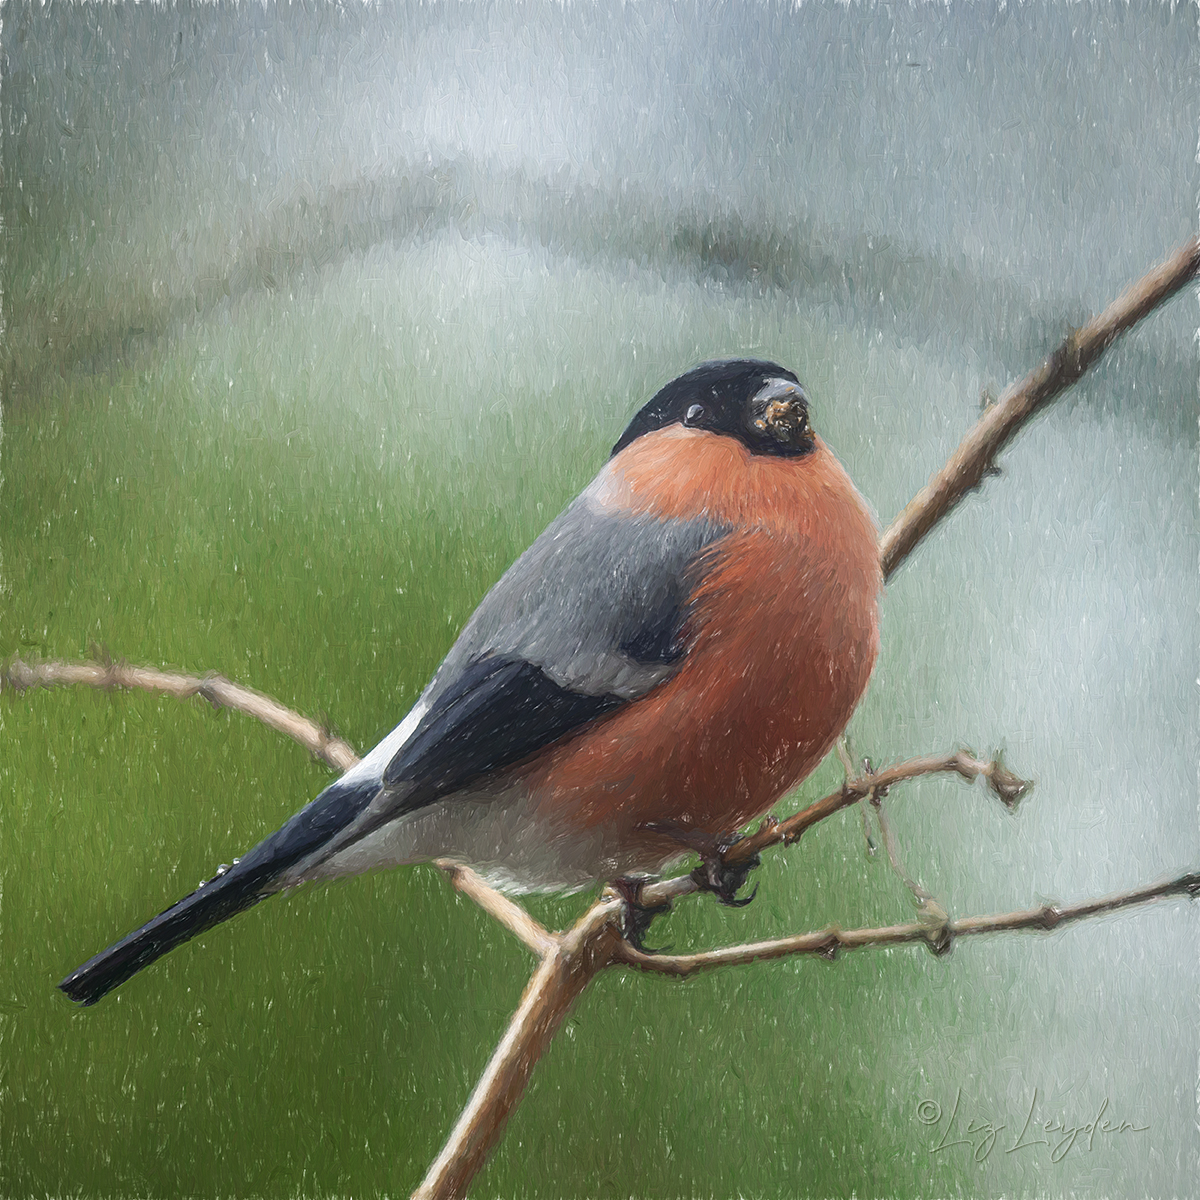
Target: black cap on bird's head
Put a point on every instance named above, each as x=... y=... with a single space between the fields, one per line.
x=761 y=404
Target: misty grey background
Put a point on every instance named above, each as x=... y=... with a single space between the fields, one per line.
x=422 y=228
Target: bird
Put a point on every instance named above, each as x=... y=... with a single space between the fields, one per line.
x=678 y=649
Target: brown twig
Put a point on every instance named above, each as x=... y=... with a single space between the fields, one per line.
x=560 y=978
x=216 y=689
x=1007 y=786
x=1003 y=783
x=976 y=454
x=938 y=934
x=497 y=905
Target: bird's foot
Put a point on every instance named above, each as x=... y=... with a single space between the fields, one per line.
x=713 y=874
x=725 y=879
x=637 y=917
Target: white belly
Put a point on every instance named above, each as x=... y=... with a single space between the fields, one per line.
x=497 y=835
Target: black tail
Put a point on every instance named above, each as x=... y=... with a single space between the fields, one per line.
x=209 y=905
x=249 y=880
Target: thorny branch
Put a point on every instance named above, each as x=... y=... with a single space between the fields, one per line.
x=1007 y=786
x=976 y=454
x=939 y=935
x=216 y=689
x=570 y=960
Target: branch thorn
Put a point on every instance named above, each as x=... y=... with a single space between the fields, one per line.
x=938 y=935
x=1007 y=785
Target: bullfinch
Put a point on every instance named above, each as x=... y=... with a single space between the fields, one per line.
x=679 y=648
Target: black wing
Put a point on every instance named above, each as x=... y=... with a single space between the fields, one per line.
x=591 y=617
x=497 y=712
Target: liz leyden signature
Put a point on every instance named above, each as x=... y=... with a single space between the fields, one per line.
x=1056 y=1135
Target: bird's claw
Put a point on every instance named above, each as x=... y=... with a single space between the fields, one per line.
x=725 y=879
x=713 y=874
x=637 y=917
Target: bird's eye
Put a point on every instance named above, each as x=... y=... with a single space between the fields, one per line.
x=694 y=414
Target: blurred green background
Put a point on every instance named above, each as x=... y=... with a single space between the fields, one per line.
x=315 y=316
